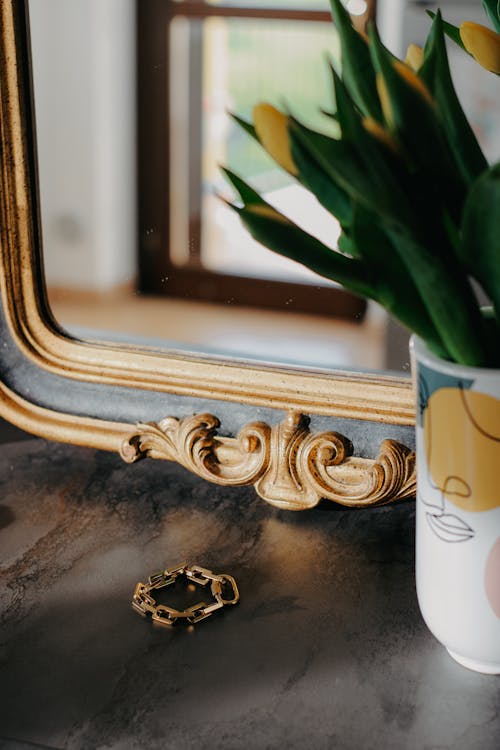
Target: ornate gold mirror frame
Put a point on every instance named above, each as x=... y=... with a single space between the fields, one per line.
x=115 y=397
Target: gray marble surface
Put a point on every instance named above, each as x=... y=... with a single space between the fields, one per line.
x=327 y=648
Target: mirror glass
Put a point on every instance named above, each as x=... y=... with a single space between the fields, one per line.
x=132 y=105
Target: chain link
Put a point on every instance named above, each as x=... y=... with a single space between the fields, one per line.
x=221 y=587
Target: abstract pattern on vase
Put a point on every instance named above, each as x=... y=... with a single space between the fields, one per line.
x=430 y=381
x=462 y=445
x=462 y=442
x=446 y=526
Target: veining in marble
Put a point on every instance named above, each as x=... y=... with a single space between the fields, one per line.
x=327 y=648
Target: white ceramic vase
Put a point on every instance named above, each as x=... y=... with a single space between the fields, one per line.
x=458 y=506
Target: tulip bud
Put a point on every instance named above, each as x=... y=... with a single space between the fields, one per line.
x=483 y=44
x=414 y=81
x=380 y=133
x=411 y=79
x=414 y=57
x=271 y=127
x=385 y=101
x=268 y=212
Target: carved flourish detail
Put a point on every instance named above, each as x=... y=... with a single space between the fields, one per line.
x=290 y=466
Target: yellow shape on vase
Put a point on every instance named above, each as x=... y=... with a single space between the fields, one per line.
x=462 y=443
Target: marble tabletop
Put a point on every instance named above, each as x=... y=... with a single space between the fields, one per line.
x=326 y=649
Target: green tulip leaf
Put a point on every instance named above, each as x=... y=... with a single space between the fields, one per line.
x=480 y=248
x=329 y=114
x=380 y=162
x=492 y=10
x=347 y=246
x=282 y=236
x=417 y=126
x=451 y=31
x=319 y=182
x=435 y=72
x=361 y=173
x=249 y=196
x=347 y=115
x=396 y=290
x=449 y=299
x=357 y=68
x=248 y=127
x=338 y=158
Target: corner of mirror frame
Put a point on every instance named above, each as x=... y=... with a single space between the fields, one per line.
x=38 y=339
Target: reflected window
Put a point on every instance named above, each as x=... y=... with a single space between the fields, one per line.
x=196 y=63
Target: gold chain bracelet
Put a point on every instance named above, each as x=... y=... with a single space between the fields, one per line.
x=145 y=604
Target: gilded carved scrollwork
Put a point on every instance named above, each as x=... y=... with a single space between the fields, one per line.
x=289 y=466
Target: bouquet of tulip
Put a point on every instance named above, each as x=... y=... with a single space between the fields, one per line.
x=418 y=204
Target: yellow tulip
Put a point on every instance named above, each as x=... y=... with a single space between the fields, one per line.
x=268 y=212
x=271 y=127
x=414 y=57
x=380 y=133
x=414 y=81
x=411 y=79
x=483 y=44
x=385 y=101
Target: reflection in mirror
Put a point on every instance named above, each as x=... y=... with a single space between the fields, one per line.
x=131 y=104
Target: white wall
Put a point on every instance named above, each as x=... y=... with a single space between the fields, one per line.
x=390 y=21
x=84 y=76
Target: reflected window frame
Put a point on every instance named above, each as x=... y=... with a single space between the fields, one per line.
x=158 y=274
